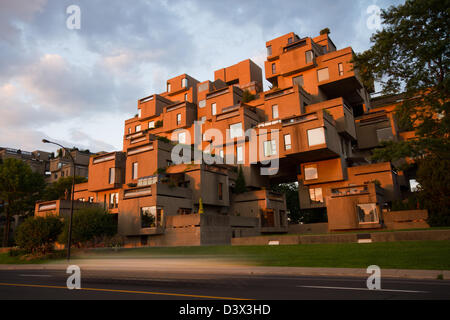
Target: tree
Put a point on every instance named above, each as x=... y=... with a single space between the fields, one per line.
x=38 y=235
x=240 y=186
x=292 y=200
x=89 y=225
x=57 y=190
x=20 y=187
x=325 y=31
x=411 y=55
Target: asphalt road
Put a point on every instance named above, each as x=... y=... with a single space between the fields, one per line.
x=51 y=284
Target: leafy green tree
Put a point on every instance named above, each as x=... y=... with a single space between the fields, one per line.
x=411 y=55
x=57 y=190
x=20 y=187
x=38 y=235
x=88 y=225
x=290 y=190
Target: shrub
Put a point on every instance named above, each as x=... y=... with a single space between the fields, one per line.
x=88 y=225
x=38 y=235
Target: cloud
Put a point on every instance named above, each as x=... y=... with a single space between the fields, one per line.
x=63 y=84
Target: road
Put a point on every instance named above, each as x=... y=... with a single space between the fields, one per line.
x=101 y=284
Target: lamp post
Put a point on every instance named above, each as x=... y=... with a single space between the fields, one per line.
x=69 y=240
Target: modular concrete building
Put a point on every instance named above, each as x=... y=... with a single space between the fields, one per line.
x=315 y=126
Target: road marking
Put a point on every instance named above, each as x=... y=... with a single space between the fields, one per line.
x=122 y=291
x=35 y=275
x=361 y=289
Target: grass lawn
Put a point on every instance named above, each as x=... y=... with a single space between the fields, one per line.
x=432 y=255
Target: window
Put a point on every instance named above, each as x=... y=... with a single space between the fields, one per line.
x=112 y=173
x=316 y=136
x=239 y=155
x=169 y=87
x=298 y=81
x=287 y=142
x=221 y=153
x=182 y=137
x=213 y=109
x=289 y=40
x=178 y=119
x=220 y=191
x=269 y=51
x=274 y=69
x=184 y=83
x=62 y=173
x=134 y=173
x=274 y=111
x=311 y=172
x=137 y=128
x=151 y=217
x=91 y=199
x=129 y=130
x=151 y=124
x=113 y=200
x=185 y=97
x=315 y=194
x=309 y=56
x=270 y=148
x=139 y=113
x=341 y=69
x=322 y=74
x=236 y=130
x=367 y=213
x=203 y=119
x=202 y=103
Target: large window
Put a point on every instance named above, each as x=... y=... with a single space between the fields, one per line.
x=134 y=171
x=213 y=109
x=275 y=111
x=151 y=124
x=298 y=81
x=138 y=128
x=287 y=142
x=151 y=217
x=367 y=213
x=236 y=130
x=184 y=83
x=315 y=194
x=112 y=174
x=309 y=56
x=269 y=51
x=139 y=113
x=270 y=148
x=316 y=137
x=322 y=74
x=311 y=172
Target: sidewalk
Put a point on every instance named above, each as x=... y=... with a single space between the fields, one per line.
x=208 y=267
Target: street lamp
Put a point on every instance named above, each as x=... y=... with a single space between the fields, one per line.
x=69 y=240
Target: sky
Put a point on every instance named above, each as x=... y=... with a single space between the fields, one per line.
x=78 y=86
